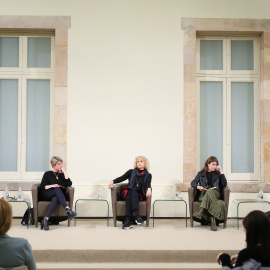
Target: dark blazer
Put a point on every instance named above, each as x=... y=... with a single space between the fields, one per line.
x=219 y=181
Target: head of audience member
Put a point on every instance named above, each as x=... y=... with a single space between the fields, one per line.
x=5 y=216
x=257 y=229
x=144 y=159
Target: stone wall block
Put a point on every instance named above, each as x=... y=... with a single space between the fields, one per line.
x=190 y=38
x=189 y=55
x=266 y=152
x=189 y=151
x=189 y=172
x=189 y=91
x=60 y=134
x=60 y=77
x=189 y=130
x=61 y=57
x=60 y=96
x=190 y=73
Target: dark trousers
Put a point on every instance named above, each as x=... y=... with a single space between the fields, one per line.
x=55 y=195
x=132 y=202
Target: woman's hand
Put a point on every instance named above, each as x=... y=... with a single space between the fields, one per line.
x=219 y=169
x=64 y=172
x=201 y=188
x=234 y=259
x=110 y=184
x=52 y=186
x=149 y=192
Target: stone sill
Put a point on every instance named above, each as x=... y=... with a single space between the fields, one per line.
x=236 y=187
x=14 y=186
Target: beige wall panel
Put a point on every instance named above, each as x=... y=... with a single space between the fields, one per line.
x=125 y=81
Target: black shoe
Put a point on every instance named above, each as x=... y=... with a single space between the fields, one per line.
x=198 y=214
x=139 y=220
x=44 y=224
x=70 y=213
x=127 y=224
x=213 y=224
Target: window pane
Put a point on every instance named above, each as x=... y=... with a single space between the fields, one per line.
x=242 y=127
x=9 y=52
x=242 y=55
x=211 y=55
x=211 y=119
x=38 y=125
x=38 y=52
x=8 y=125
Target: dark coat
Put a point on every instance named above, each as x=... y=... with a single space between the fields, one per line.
x=131 y=176
x=219 y=181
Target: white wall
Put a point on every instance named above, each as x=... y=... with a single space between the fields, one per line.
x=125 y=84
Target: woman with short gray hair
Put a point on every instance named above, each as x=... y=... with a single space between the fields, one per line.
x=53 y=188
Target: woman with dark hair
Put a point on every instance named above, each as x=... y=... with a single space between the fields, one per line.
x=257 y=229
x=210 y=181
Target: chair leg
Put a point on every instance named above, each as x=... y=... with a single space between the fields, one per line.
x=147 y=222
x=36 y=224
x=191 y=221
x=225 y=223
x=68 y=222
x=114 y=222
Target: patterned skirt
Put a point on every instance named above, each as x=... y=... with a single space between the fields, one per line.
x=212 y=205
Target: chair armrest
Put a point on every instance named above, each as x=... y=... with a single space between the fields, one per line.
x=115 y=189
x=148 y=205
x=191 y=198
x=192 y=194
x=34 y=190
x=226 y=192
x=70 y=191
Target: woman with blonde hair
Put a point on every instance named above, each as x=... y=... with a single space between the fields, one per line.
x=14 y=252
x=138 y=188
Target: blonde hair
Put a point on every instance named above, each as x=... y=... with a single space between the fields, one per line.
x=146 y=162
x=55 y=159
x=5 y=216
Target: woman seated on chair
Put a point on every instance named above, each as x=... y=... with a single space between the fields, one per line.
x=138 y=188
x=257 y=229
x=53 y=188
x=210 y=181
x=14 y=252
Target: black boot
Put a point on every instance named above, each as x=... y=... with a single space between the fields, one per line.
x=70 y=213
x=213 y=224
x=199 y=213
x=44 y=224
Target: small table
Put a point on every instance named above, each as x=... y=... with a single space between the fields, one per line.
x=167 y=200
x=93 y=200
x=235 y=207
x=28 y=203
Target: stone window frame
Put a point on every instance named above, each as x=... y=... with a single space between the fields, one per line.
x=191 y=27
x=60 y=26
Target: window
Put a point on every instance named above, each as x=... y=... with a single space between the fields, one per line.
x=26 y=87
x=228 y=104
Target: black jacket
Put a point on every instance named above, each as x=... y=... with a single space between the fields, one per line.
x=219 y=180
x=131 y=176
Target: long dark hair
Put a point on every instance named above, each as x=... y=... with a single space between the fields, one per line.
x=257 y=225
x=208 y=161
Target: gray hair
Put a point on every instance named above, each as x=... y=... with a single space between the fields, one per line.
x=55 y=159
